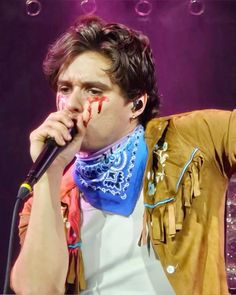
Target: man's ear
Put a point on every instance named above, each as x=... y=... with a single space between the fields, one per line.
x=139 y=105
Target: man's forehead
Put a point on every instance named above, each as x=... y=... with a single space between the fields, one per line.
x=87 y=69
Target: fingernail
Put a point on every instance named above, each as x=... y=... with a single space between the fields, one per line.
x=68 y=137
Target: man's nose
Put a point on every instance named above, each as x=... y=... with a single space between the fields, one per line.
x=74 y=102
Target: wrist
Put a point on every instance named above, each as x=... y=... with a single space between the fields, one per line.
x=49 y=184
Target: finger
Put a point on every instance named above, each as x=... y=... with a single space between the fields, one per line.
x=59 y=125
x=65 y=117
x=44 y=132
x=87 y=114
x=54 y=129
x=58 y=128
x=80 y=125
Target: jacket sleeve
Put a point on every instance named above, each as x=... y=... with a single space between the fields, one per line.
x=24 y=220
x=215 y=132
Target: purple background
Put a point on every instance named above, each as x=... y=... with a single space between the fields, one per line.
x=195 y=58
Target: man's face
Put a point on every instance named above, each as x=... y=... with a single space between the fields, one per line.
x=85 y=87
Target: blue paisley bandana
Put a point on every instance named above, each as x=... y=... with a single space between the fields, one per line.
x=111 y=180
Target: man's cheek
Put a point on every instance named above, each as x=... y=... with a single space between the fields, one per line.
x=61 y=102
x=100 y=101
x=97 y=107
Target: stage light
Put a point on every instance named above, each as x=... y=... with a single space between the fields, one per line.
x=33 y=7
x=88 y=6
x=196 y=7
x=143 y=7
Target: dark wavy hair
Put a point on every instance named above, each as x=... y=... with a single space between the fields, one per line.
x=129 y=50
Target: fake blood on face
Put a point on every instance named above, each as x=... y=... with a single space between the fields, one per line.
x=100 y=101
x=92 y=100
x=61 y=103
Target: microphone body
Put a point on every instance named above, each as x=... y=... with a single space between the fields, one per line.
x=44 y=160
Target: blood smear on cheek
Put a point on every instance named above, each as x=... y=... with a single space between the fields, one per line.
x=100 y=101
x=61 y=102
x=92 y=100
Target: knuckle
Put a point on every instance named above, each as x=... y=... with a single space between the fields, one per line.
x=32 y=134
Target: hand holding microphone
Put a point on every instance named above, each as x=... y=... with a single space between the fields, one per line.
x=59 y=129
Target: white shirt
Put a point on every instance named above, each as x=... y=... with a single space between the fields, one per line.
x=114 y=263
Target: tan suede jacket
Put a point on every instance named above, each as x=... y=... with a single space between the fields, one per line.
x=191 y=158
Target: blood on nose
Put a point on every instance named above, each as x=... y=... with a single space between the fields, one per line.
x=71 y=103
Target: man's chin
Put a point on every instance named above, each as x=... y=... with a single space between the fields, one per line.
x=87 y=149
x=94 y=145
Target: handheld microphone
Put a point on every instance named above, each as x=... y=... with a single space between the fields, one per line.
x=44 y=160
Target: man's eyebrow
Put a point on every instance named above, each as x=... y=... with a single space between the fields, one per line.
x=86 y=84
x=63 y=82
x=96 y=84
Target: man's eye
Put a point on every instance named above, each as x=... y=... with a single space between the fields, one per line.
x=64 y=89
x=94 y=91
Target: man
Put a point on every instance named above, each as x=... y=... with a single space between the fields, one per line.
x=165 y=190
